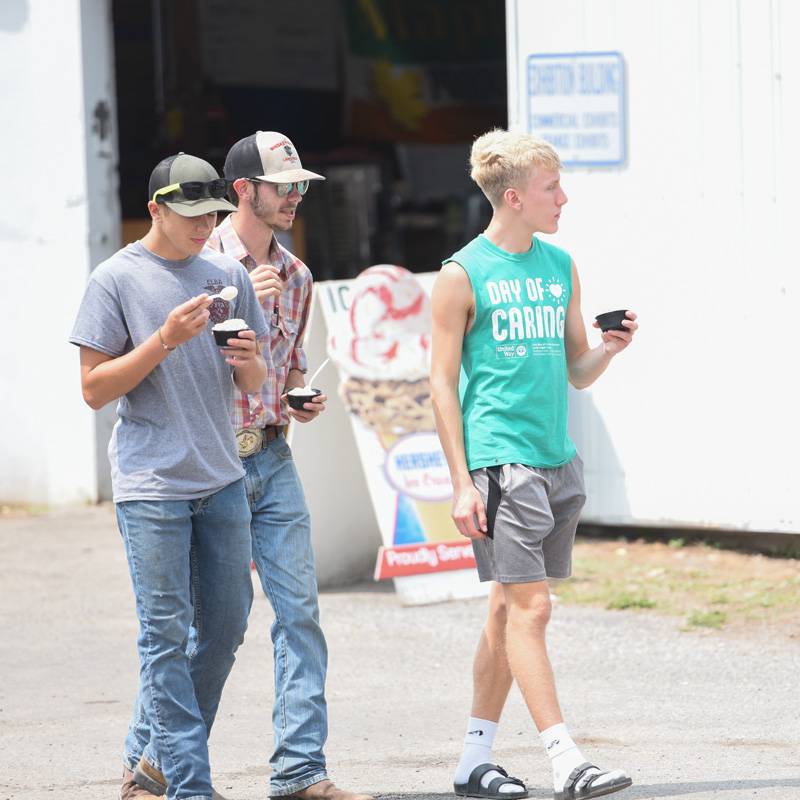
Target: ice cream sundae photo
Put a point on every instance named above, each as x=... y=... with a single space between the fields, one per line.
x=383 y=352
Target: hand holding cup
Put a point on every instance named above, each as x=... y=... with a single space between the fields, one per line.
x=305 y=403
x=618 y=328
x=241 y=348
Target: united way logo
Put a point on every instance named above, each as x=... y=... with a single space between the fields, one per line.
x=506 y=351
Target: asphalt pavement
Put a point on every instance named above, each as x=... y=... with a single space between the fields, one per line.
x=690 y=715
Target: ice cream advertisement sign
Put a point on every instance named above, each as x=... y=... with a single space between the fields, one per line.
x=415 y=465
x=379 y=336
x=419 y=559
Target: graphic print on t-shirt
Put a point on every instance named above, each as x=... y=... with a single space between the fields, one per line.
x=218 y=310
x=528 y=316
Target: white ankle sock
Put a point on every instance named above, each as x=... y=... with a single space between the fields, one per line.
x=478 y=750
x=477 y=747
x=563 y=752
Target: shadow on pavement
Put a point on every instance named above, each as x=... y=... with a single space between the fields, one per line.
x=641 y=792
x=360 y=587
x=646 y=791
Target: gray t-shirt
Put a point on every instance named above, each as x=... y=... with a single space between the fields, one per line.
x=173 y=439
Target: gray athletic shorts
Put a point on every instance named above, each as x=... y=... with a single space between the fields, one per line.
x=532 y=515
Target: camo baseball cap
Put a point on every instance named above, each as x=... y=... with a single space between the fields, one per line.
x=183 y=168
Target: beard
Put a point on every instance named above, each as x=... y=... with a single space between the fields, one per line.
x=269 y=217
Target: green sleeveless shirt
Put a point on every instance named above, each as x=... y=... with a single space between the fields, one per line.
x=513 y=384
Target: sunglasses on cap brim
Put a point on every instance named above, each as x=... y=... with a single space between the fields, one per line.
x=285 y=189
x=192 y=190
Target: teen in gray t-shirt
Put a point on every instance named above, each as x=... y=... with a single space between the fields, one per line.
x=144 y=335
x=174 y=439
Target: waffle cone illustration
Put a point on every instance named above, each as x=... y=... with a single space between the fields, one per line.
x=384 y=357
x=389 y=407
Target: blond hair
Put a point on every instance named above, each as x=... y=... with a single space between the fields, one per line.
x=500 y=159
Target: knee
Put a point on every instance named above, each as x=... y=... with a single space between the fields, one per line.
x=224 y=639
x=497 y=617
x=238 y=620
x=532 y=615
x=165 y=635
x=225 y=622
x=297 y=616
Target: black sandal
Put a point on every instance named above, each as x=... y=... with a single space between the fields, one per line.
x=473 y=788
x=587 y=789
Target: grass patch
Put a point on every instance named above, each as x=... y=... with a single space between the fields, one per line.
x=692 y=581
x=677 y=543
x=625 y=600
x=707 y=619
x=719 y=599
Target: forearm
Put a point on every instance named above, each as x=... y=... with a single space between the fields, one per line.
x=450 y=427
x=250 y=376
x=295 y=379
x=586 y=368
x=111 y=379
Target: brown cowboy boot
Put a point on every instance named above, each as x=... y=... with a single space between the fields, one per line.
x=130 y=790
x=327 y=790
x=149 y=778
x=152 y=781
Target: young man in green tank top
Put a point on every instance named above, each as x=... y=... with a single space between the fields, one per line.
x=508 y=335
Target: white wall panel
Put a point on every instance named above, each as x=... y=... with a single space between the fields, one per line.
x=54 y=62
x=695 y=424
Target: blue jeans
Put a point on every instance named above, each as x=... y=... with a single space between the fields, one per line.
x=189 y=561
x=281 y=550
x=281 y=533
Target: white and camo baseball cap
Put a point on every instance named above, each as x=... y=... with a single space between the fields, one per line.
x=268 y=156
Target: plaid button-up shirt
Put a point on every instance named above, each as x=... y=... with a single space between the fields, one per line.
x=287 y=317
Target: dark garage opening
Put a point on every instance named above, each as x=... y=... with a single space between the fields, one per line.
x=383 y=97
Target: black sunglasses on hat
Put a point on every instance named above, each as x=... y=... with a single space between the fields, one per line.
x=192 y=190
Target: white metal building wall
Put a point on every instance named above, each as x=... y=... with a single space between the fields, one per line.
x=59 y=216
x=697 y=423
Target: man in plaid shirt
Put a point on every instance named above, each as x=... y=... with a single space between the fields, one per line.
x=268 y=183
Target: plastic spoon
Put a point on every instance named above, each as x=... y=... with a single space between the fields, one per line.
x=319 y=369
x=228 y=294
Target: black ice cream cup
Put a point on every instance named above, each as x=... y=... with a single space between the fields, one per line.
x=612 y=320
x=221 y=337
x=297 y=401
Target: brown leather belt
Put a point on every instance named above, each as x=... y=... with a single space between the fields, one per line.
x=253 y=440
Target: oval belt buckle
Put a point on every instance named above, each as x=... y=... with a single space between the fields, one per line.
x=249 y=441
